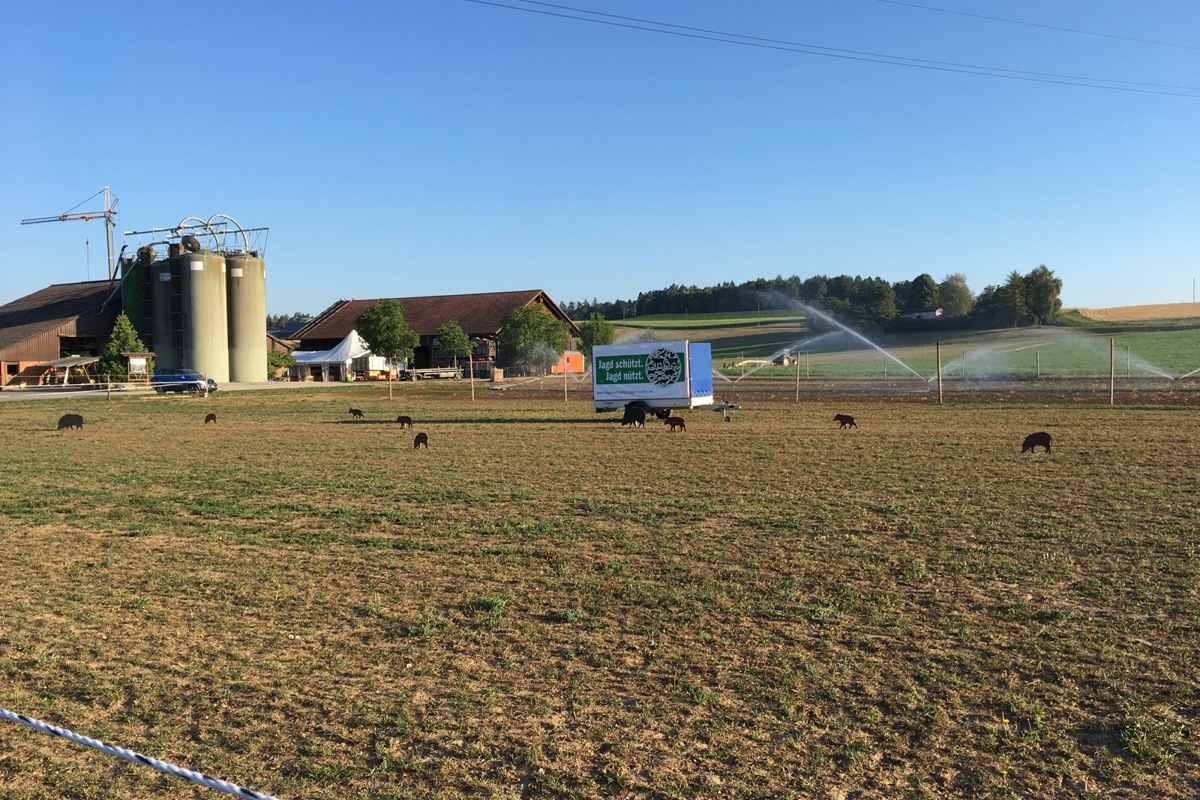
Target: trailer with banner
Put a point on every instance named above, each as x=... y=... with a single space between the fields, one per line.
x=657 y=376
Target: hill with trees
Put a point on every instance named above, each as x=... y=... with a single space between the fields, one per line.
x=870 y=304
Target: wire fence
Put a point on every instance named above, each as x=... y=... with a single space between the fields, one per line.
x=135 y=758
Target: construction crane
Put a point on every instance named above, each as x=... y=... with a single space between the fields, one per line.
x=109 y=215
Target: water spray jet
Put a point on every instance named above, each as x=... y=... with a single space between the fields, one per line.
x=797 y=305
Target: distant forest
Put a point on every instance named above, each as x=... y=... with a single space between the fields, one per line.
x=276 y=322
x=871 y=304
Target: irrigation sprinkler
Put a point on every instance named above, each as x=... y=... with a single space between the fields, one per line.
x=724 y=407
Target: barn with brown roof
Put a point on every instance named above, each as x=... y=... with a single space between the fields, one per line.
x=479 y=315
x=53 y=330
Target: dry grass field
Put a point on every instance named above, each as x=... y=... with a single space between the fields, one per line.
x=1140 y=313
x=545 y=605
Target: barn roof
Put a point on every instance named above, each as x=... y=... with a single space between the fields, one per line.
x=477 y=314
x=44 y=310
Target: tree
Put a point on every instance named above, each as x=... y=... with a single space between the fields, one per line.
x=596 y=330
x=1012 y=298
x=814 y=290
x=955 y=295
x=123 y=339
x=277 y=360
x=874 y=301
x=530 y=336
x=278 y=321
x=454 y=340
x=387 y=335
x=1002 y=305
x=1041 y=295
x=922 y=294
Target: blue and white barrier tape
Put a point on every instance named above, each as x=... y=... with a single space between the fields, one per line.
x=135 y=758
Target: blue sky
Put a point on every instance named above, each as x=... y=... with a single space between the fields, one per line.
x=442 y=146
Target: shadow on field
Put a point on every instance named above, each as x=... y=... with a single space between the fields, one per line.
x=487 y=421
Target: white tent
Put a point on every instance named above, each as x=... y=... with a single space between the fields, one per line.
x=330 y=365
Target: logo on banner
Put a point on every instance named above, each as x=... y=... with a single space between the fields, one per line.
x=663 y=367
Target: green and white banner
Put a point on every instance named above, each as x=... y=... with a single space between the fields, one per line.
x=644 y=370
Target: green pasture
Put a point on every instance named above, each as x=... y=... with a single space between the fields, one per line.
x=1005 y=354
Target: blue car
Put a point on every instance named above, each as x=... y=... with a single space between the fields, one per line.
x=181 y=380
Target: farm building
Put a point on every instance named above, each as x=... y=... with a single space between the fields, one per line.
x=277 y=344
x=56 y=333
x=335 y=364
x=203 y=304
x=570 y=362
x=922 y=313
x=479 y=315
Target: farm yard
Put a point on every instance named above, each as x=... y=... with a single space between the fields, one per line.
x=543 y=604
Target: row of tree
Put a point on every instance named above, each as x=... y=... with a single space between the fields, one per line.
x=872 y=303
x=277 y=322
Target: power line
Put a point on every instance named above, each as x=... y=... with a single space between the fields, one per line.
x=670 y=29
x=900 y=60
x=1040 y=25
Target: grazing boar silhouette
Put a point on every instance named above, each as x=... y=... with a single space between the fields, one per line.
x=1039 y=439
x=210 y=418
x=405 y=422
x=70 y=421
x=422 y=440
x=844 y=421
x=675 y=422
x=356 y=413
x=635 y=417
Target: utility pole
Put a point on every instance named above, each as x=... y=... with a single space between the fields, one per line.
x=109 y=215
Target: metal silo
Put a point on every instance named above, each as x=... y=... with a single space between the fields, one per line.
x=246 y=286
x=205 y=323
x=166 y=354
x=133 y=291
